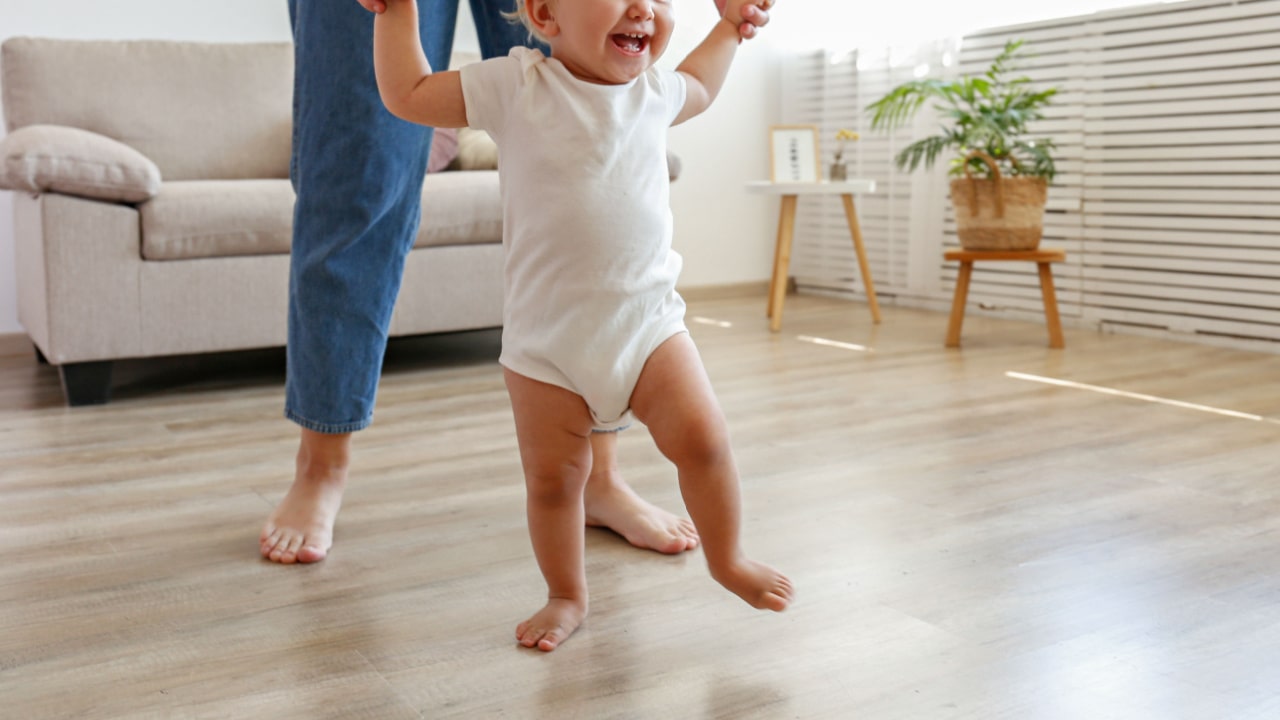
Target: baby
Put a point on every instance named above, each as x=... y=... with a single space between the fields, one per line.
x=593 y=327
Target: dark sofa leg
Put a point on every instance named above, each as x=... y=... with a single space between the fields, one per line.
x=40 y=358
x=86 y=383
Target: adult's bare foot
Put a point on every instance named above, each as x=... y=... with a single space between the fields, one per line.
x=551 y=625
x=611 y=503
x=763 y=587
x=300 y=529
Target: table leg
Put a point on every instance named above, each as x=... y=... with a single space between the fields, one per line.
x=781 y=261
x=957 y=304
x=851 y=214
x=777 y=249
x=1050 y=306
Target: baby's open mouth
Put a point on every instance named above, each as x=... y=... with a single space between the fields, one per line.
x=631 y=43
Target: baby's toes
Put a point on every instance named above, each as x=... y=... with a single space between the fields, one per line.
x=527 y=635
x=551 y=640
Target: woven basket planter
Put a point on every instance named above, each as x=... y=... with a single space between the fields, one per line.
x=998 y=213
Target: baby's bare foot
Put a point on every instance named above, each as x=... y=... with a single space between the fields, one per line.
x=552 y=624
x=300 y=529
x=763 y=587
x=611 y=503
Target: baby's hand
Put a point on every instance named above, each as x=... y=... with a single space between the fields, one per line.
x=746 y=15
x=377 y=6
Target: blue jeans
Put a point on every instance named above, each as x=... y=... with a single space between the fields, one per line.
x=357 y=172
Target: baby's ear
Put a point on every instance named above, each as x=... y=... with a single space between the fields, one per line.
x=542 y=14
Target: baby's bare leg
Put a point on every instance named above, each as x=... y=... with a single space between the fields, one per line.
x=611 y=503
x=552 y=427
x=674 y=399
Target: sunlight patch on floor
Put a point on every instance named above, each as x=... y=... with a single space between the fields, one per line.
x=711 y=321
x=1140 y=396
x=832 y=343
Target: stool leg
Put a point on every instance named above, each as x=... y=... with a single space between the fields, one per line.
x=781 y=261
x=1050 y=306
x=957 y=303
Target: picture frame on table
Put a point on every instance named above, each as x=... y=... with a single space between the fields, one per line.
x=793 y=154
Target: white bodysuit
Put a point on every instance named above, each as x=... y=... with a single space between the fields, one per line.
x=590 y=275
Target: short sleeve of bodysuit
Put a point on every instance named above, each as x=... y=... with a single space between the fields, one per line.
x=674 y=90
x=488 y=89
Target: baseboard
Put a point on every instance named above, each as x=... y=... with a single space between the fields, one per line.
x=15 y=344
x=725 y=292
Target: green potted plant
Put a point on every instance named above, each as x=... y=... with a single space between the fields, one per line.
x=1000 y=175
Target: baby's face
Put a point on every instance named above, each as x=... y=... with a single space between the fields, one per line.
x=610 y=42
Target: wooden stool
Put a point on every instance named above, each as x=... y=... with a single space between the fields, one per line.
x=1041 y=258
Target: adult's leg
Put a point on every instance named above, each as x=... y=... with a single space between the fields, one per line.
x=357 y=172
x=674 y=398
x=300 y=529
x=612 y=503
x=552 y=427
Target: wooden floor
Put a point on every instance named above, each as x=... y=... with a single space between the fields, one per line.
x=965 y=543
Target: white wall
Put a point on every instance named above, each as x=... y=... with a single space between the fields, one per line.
x=725 y=236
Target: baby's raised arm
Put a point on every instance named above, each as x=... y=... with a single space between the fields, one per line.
x=707 y=66
x=408 y=87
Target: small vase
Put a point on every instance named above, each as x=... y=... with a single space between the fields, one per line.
x=839 y=172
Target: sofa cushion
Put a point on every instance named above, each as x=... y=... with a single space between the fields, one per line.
x=216 y=111
x=222 y=218
x=52 y=158
x=460 y=208
x=217 y=218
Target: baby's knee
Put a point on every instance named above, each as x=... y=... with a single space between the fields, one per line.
x=703 y=444
x=557 y=485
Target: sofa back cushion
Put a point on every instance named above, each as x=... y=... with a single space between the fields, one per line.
x=210 y=111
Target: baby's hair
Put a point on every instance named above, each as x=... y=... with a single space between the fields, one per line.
x=520 y=15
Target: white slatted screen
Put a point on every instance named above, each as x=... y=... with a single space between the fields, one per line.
x=831 y=91
x=1168 y=194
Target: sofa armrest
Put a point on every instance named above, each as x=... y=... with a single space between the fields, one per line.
x=71 y=161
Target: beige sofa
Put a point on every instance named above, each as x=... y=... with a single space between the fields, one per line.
x=152 y=207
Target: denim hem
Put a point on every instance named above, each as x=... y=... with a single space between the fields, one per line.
x=328 y=428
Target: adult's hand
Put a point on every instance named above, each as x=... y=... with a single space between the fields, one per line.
x=754 y=16
x=376 y=6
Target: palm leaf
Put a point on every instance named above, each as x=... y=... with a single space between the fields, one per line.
x=988 y=111
x=924 y=152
